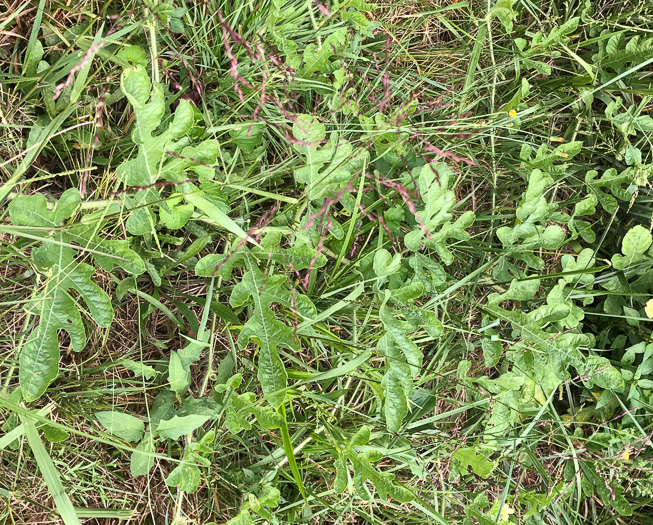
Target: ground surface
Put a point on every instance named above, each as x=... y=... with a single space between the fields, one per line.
x=326 y=262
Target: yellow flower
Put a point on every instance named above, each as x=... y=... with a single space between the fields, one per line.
x=625 y=455
x=506 y=511
x=512 y=113
x=649 y=308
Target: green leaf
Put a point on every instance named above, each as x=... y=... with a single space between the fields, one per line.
x=152 y=163
x=619 y=502
x=39 y=358
x=613 y=181
x=532 y=232
x=600 y=372
x=174 y=216
x=469 y=457
x=180 y=426
x=142 y=459
x=55 y=434
x=434 y=226
x=139 y=369
x=50 y=474
x=123 y=425
x=319 y=59
x=327 y=168
x=240 y=406
x=243 y=518
x=635 y=244
x=186 y=476
x=518 y=291
x=397 y=383
x=364 y=471
x=265 y=329
x=299 y=255
x=133 y=54
x=248 y=136
x=403 y=361
x=178 y=377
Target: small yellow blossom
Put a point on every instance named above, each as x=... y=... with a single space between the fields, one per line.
x=625 y=455
x=649 y=309
x=556 y=139
x=506 y=511
x=512 y=113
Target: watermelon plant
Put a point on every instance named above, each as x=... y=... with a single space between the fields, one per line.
x=297 y=262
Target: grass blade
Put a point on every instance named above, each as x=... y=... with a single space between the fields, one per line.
x=50 y=474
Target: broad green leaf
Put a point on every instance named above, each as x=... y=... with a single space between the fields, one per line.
x=39 y=357
x=403 y=361
x=328 y=167
x=186 y=476
x=385 y=264
x=243 y=518
x=178 y=377
x=600 y=372
x=174 y=216
x=318 y=60
x=139 y=369
x=262 y=291
x=123 y=425
x=434 y=226
x=216 y=214
x=518 y=291
x=55 y=434
x=428 y=273
x=153 y=162
x=263 y=327
x=179 y=372
x=613 y=181
x=177 y=426
x=635 y=244
x=532 y=231
x=397 y=383
x=248 y=136
x=469 y=457
x=142 y=459
x=133 y=54
x=364 y=471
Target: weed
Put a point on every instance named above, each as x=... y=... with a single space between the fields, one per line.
x=309 y=262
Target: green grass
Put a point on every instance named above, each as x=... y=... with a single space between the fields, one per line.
x=401 y=296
